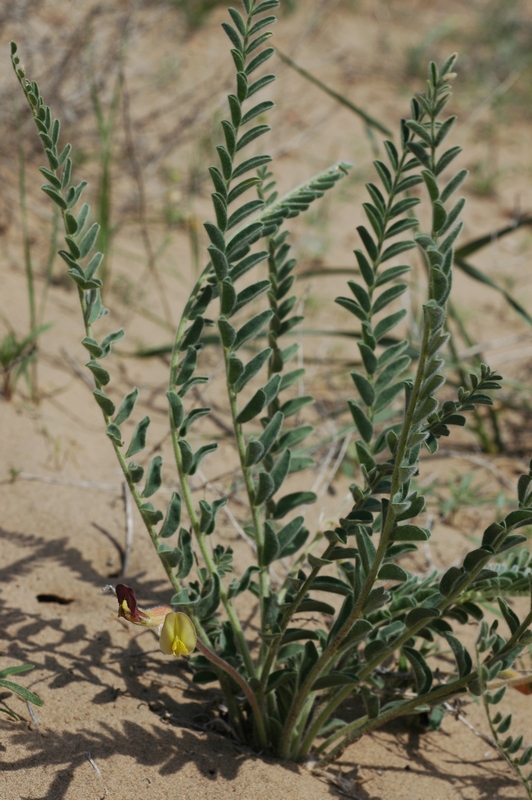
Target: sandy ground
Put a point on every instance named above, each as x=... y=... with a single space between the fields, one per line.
x=120 y=720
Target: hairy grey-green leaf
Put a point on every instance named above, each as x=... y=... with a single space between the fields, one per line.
x=153 y=477
x=200 y=454
x=361 y=420
x=105 y=403
x=173 y=517
x=291 y=501
x=126 y=407
x=252 y=328
x=253 y=407
x=138 y=441
x=101 y=375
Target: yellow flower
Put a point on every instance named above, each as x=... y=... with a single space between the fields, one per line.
x=178 y=635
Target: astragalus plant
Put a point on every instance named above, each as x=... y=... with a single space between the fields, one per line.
x=285 y=676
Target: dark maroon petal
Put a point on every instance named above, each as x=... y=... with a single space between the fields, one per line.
x=126 y=593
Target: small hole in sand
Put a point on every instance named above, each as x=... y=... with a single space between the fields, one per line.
x=54 y=598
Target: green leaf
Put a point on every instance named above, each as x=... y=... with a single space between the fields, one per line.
x=261 y=83
x=110 y=339
x=463 y=659
x=153 y=478
x=87 y=243
x=271 y=431
x=237 y=586
x=187 y=555
x=420 y=614
x=233 y=36
x=254 y=452
x=361 y=421
x=210 y=598
x=193 y=415
x=16 y=670
x=227 y=332
x=281 y=470
x=251 y=163
x=114 y=434
x=138 y=441
x=326 y=583
x=250 y=293
x=422 y=672
x=54 y=195
x=126 y=407
x=291 y=501
x=365 y=389
x=257 y=110
x=30 y=697
x=173 y=517
x=187 y=366
x=192 y=335
x=176 y=408
x=105 y=403
x=200 y=454
x=288 y=534
x=253 y=407
x=296 y=404
x=151 y=515
x=259 y=59
x=386 y=324
x=396 y=249
x=244 y=211
x=410 y=533
x=251 y=328
x=446 y=159
x=512 y=620
x=100 y=374
x=264 y=489
x=271 y=548
x=392 y=572
x=252 y=368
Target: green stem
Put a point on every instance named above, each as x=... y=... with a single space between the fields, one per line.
x=205 y=552
x=222 y=664
x=264 y=575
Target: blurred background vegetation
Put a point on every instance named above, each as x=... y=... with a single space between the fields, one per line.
x=140 y=86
